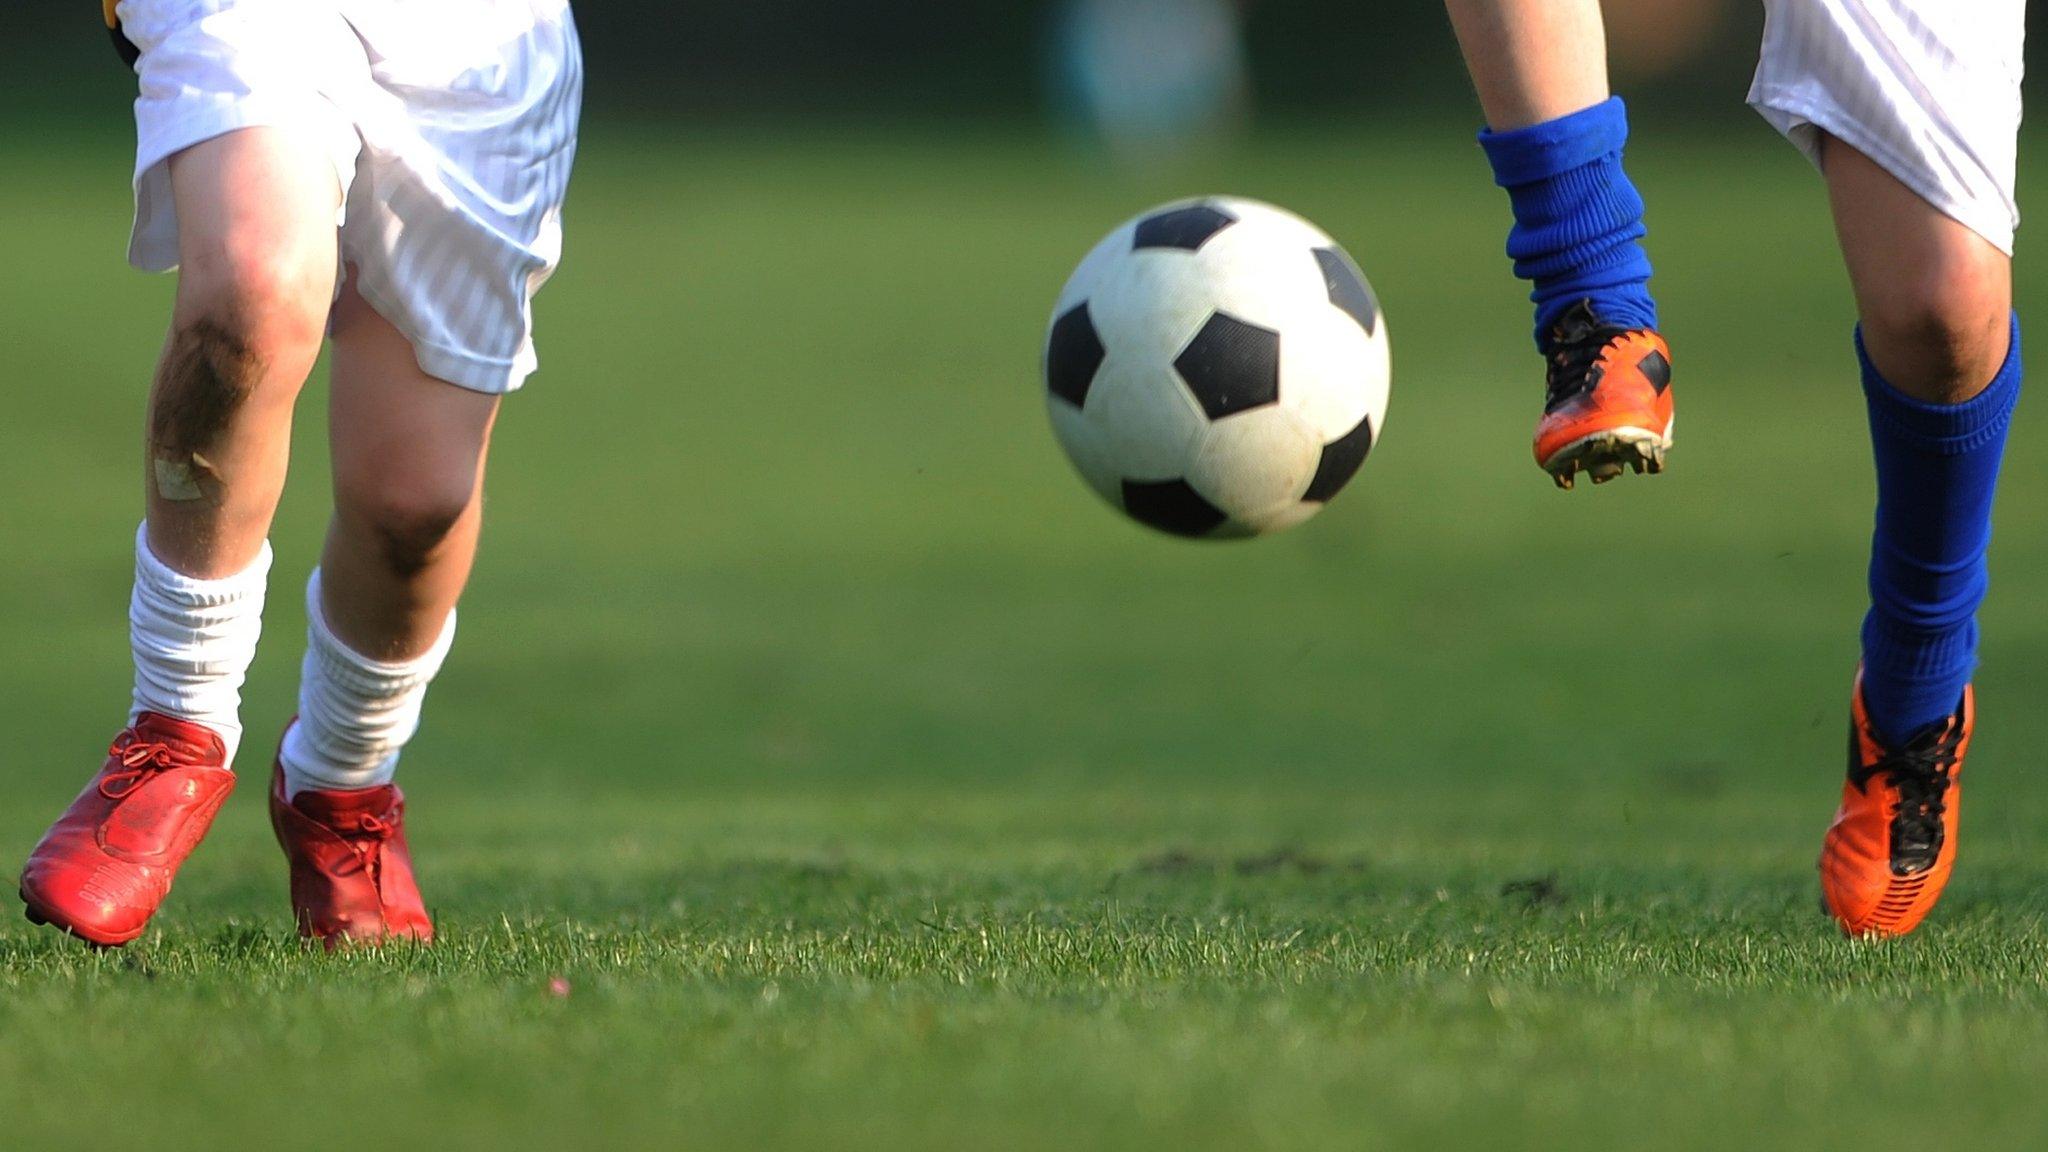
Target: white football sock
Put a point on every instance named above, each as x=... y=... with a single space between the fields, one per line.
x=193 y=640
x=355 y=713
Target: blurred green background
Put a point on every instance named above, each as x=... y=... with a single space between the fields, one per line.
x=981 y=58
x=867 y=784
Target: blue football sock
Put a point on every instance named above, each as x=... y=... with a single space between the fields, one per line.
x=1937 y=466
x=1578 y=221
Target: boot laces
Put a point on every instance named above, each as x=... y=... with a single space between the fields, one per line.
x=1578 y=342
x=1920 y=773
x=367 y=840
x=139 y=760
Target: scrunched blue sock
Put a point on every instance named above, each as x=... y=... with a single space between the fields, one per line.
x=1578 y=221
x=1937 y=467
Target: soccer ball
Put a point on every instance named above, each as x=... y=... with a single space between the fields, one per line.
x=1217 y=368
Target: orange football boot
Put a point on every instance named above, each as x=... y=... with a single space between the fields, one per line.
x=1893 y=842
x=1608 y=400
x=352 y=878
x=105 y=866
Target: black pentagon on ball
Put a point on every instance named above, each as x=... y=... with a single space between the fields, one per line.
x=1231 y=366
x=1188 y=228
x=1072 y=354
x=1340 y=462
x=1171 y=506
x=1348 y=289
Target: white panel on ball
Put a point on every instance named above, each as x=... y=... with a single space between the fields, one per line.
x=1149 y=304
x=1256 y=465
x=1333 y=374
x=1263 y=269
x=1148 y=423
x=1089 y=273
x=1083 y=440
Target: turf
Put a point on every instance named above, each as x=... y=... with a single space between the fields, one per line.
x=821 y=766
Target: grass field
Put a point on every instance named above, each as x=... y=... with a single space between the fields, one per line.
x=867 y=785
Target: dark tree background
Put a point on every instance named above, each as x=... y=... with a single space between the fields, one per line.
x=957 y=58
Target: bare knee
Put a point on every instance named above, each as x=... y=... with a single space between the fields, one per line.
x=276 y=298
x=406 y=521
x=1940 y=333
x=246 y=327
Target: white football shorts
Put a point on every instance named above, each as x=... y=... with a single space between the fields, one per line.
x=1929 y=89
x=452 y=126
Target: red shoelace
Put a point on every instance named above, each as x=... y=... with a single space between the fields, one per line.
x=139 y=758
x=367 y=842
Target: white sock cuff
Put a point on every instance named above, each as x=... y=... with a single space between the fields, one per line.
x=192 y=640
x=191 y=592
x=359 y=672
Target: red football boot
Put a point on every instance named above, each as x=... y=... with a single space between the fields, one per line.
x=103 y=868
x=352 y=878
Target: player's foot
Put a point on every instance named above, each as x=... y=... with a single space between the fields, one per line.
x=1608 y=400
x=352 y=878
x=1893 y=842
x=103 y=868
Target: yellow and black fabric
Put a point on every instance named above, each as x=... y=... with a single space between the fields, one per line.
x=129 y=52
